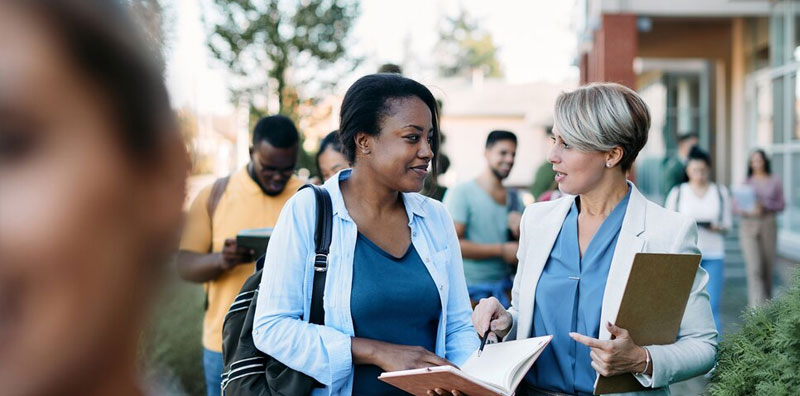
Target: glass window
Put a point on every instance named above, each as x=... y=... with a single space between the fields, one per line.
x=777 y=160
x=793 y=195
x=763 y=104
x=777 y=108
x=796 y=42
x=796 y=106
x=778 y=36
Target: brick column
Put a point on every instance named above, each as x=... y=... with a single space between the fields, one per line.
x=614 y=48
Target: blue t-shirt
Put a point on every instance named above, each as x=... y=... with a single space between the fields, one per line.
x=569 y=298
x=393 y=300
x=486 y=222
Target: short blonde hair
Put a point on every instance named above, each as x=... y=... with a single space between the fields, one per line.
x=601 y=116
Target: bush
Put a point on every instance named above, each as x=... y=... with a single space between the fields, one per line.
x=171 y=349
x=763 y=358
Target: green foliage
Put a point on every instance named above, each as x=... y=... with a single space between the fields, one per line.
x=171 y=348
x=463 y=47
x=763 y=358
x=260 y=40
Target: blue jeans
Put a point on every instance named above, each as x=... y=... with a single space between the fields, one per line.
x=497 y=290
x=716 y=277
x=212 y=364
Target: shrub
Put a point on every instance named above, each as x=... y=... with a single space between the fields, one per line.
x=763 y=357
x=171 y=350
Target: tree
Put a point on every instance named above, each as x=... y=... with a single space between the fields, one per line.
x=260 y=41
x=463 y=48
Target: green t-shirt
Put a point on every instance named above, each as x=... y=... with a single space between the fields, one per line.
x=486 y=222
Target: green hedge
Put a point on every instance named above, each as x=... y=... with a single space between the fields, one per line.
x=171 y=349
x=763 y=358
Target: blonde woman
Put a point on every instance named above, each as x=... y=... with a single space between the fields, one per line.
x=576 y=252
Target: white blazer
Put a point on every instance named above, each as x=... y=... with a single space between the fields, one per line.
x=648 y=228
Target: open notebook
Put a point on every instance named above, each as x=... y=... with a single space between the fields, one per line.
x=497 y=372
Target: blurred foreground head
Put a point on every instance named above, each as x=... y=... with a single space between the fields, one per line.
x=92 y=172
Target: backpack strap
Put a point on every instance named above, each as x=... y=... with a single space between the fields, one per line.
x=211 y=206
x=322 y=243
x=216 y=194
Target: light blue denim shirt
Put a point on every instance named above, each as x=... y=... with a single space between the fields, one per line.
x=284 y=299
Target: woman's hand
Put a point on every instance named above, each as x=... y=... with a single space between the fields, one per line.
x=490 y=314
x=618 y=356
x=393 y=357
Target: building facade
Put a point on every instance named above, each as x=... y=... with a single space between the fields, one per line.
x=723 y=69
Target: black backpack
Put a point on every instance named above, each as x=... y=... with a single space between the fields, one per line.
x=247 y=370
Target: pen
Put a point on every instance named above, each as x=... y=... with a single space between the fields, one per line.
x=483 y=341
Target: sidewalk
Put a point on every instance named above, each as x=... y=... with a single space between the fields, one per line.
x=734 y=300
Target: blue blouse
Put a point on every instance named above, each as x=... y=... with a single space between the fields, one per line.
x=569 y=298
x=393 y=300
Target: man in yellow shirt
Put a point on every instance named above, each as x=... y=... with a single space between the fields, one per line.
x=252 y=198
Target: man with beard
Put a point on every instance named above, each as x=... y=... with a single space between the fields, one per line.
x=486 y=216
x=250 y=198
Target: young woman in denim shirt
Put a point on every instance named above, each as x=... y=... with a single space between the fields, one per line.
x=395 y=296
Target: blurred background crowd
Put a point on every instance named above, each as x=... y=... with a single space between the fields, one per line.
x=720 y=78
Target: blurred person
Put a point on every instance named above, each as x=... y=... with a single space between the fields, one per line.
x=390 y=68
x=432 y=188
x=486 y=216
x=576 y=252
x=92 y=170
x=709 y=204
x=675 y=166
x=758 y=230
x=544 y=178
x=395 y=296
x=330 y=158
x=250 y=198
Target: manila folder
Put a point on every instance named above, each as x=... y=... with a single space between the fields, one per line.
x=652 y=307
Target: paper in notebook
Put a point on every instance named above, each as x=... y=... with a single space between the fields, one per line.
x=497 y=372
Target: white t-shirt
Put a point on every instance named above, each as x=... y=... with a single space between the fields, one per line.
x=704 y=209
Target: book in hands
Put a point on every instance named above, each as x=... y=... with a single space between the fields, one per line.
x=744 y=197
x=497 y=372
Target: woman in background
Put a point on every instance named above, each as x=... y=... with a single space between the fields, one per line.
x=92 y=170
x=758 y=230
x=330 y=157
x=709 y=204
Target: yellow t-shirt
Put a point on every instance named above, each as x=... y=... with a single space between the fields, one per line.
x=242 y=206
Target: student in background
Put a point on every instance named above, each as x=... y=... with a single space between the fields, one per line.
x=330 y=158
x=675 y=167
x=544 y=181
x=758 y=230
x=486 y=216
x=92 y=169
x=250 y=198
x=709 y=204
x=395 y=296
